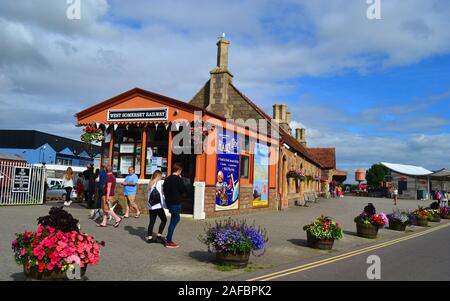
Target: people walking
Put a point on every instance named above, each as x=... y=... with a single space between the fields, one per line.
x=97 y=212
x=109 y=188
x=68 y=185
x=129 y=190
x=395 y=195
x=173 y=189
x=79 y=187
x=156 y=207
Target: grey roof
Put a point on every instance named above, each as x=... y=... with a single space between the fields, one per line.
x=13 y=157
x=409 y=170
x=441 y=173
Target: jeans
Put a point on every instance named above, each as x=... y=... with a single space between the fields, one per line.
x=68 y=193
x=175 y=211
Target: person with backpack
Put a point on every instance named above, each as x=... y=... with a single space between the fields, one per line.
x=156 y=207
x=173 y=189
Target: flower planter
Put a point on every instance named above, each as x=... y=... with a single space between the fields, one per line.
x=397 y=226
x=445 y=216
x=366 y=230
x=422 y=221
x=435 y=219
x=321 y=244
x=55 y=275
x=236 y=260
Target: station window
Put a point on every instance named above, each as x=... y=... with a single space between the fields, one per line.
x=157 y=150
x=244 y=167
x=127 y=150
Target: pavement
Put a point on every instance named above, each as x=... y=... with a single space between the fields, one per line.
x=127 y=256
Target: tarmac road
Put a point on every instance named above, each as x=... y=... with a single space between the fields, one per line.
x=422 y=256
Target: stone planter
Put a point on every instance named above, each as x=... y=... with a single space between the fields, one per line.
x=236 y=260
x=56 y=275
x=435 y=219
x=321 y=244
x=397 y=226
x=366 y=231
x=422 y=221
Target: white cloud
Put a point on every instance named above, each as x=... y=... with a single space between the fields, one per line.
x=52 y=67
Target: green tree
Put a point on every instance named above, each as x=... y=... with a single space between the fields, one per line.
x=376 y=174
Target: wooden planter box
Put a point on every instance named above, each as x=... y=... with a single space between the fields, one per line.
x=367 y=231
x=397 y=226
x=422 y=221
x=321 y=244
x=236 y=260
x=55 y=275
x=445 y=216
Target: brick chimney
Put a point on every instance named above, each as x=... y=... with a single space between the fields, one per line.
x=282 y=117
x=300 y=135
x=220 y=79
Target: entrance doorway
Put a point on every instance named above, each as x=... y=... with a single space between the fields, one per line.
x=188 y=176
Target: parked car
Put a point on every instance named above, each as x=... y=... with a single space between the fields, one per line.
x=59 y=191
x=54 y=181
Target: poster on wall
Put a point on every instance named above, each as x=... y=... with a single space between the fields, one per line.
x=227 y=174
x=21 y=180
x=125 y=162
x=261 y=176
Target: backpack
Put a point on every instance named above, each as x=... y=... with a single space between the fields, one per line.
x=155 y=197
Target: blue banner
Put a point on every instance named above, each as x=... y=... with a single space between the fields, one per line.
x=227 y=176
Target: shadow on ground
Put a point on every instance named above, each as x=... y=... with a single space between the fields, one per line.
x=140 y=232
x=203 y=256
x=299 y=242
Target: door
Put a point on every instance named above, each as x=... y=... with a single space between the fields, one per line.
x=188 y=176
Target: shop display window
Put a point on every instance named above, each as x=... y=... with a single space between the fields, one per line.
x=127 y=150
x=157 y=150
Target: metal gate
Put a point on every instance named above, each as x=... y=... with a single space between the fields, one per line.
x=21 y=183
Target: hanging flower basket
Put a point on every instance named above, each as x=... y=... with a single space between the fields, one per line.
x=92 y=134
x=295 y=174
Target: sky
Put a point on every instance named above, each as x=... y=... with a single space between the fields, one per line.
x=377 y=90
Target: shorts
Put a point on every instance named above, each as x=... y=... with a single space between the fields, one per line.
x=131 y=199
x=105 y=204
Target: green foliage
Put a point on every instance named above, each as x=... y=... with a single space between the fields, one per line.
x=376 y=174
x=324 y=227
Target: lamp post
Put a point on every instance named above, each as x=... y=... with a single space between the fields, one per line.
x=42 y=149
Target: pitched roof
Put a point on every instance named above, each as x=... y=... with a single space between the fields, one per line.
x=32 y=139
x=409 y=170
x=285 y=136
x=146 y=94
x=11 y=157
x=326 y=156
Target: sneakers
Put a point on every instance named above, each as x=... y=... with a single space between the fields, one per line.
x=171 y=245
x=67 y=203
x=161 y=240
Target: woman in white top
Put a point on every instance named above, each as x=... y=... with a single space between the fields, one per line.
x=156 y=207
x=68 y=185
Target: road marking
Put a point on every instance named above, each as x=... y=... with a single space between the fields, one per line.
x=325 y=261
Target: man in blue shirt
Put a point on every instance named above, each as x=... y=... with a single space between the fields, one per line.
x=129 y=190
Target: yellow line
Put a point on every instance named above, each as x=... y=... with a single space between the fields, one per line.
x=342 y=256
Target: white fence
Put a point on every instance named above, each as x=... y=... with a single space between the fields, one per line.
x=21 y=183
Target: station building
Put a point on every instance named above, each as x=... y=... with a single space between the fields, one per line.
x=248 y=167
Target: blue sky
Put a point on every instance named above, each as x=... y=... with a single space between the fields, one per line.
x=377 y=90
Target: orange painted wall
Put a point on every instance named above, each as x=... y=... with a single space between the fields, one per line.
x=136 y=102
